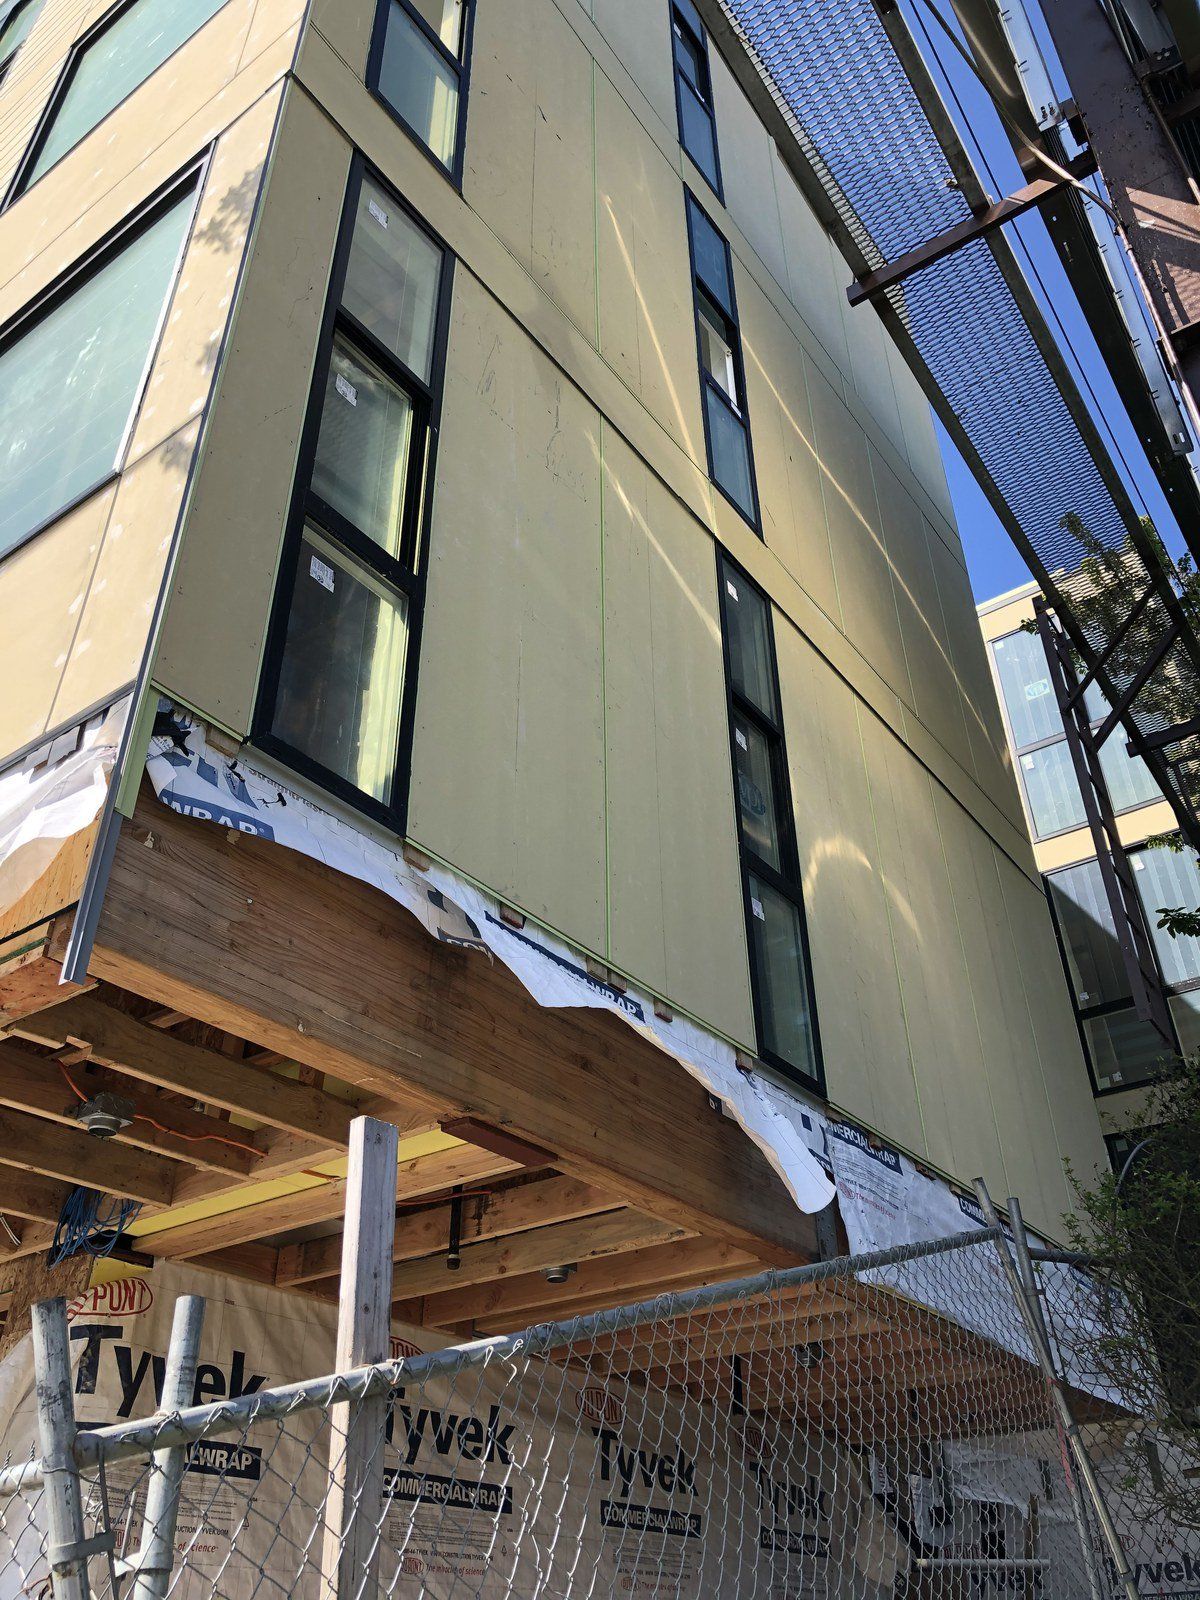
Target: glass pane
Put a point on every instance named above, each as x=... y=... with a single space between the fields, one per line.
x=392 y=279
x=419 y=85
x=1124 y=1051
x=17 y=29
x=749 y=625
x=1055 y=802
x=361 y=466
x=112 y=67
x=1165 y=879
x=689 y=59
x=1185 y=1010
x=1128 y=777
x=756 y=792
x=69 y=386
x=343 y=668
x=696 y=132
x=716 y=353
x=710 y=259
x=730 y=452
x=1093 y=954
x=782 y=980
x=1025 y=684
x=445 y=17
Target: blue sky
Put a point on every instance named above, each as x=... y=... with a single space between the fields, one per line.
x=991 y=558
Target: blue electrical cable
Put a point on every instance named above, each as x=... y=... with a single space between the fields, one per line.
x=84 y=1227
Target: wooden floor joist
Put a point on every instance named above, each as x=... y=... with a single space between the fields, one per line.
x=421 y=1233
x=32 y=1144
x=445 y=1030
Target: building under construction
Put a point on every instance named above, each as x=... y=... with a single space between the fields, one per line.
x=504 y=815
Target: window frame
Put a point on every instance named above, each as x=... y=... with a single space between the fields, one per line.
x=405 y=573
x=7 y=61
x=60 y=289
x=788 y=883
x=678 y=17
x=460 y=67
x=18 y=186
x=707 y=382
x=1105 y=1008
x=1037 y=745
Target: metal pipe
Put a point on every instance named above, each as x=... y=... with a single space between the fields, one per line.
x=1033 y=1301
x=1033 y=1324
x=152 y=1564
x=68 y=1545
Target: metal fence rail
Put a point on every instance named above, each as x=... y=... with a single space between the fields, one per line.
x=879 y=1425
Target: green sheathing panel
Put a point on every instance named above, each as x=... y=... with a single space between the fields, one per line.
x=212 y=639
x=674 y=884
x=508 y=762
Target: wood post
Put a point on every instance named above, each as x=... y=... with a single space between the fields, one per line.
x=354 y=1509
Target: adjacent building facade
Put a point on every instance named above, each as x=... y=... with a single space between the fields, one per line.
x=452 y=407
x=1123 y=1053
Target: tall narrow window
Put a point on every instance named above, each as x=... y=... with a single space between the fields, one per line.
x=783 y=994
x=106 y=66
x=418 y=69
x=333 y=695
x=73 y=370
x=16 y=24
x=693 y=91
x=722 y=376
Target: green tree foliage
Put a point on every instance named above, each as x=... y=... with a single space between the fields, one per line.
x=1142 y=1226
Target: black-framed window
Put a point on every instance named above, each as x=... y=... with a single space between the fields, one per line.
x=1047 y=773
x=418 y=67
x=722 y=374
x=129 y=43
x=1123 y=1145
x=784 y=1003
x=693 y=91
x=1122 y=1051
x=16 y=24
x=73 y=366
x=336 y=694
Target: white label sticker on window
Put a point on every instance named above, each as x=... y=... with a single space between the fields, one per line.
x=741 y=739
x=346 y=389
x=377 y=211
x=731 y=589
x=1027 y=763
x=1036 y=689
x=757 y=907
x=323 y=573
x=1138 y=866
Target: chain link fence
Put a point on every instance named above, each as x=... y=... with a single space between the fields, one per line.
x=873 y=1426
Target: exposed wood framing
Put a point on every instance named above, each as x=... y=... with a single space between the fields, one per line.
x=452 y=1034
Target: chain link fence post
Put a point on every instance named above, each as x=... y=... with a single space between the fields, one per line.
x=1031 y=1314
x=69 y=1548
x=1032 y=1300
x=151 y=1566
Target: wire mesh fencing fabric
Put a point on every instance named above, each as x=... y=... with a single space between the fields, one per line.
x=866 y=1427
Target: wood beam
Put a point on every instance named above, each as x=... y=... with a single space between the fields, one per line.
x=499 y=1307
x=422 y=1233
x=36 y=1083
x=142 y=1051
x=586 y=1239
x=32 y=1145
x=31 y=971
x=407 y=1017
x=27 y=1195
x=321 y=1203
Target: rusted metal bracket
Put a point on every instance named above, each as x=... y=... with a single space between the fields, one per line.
x=976 y=226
